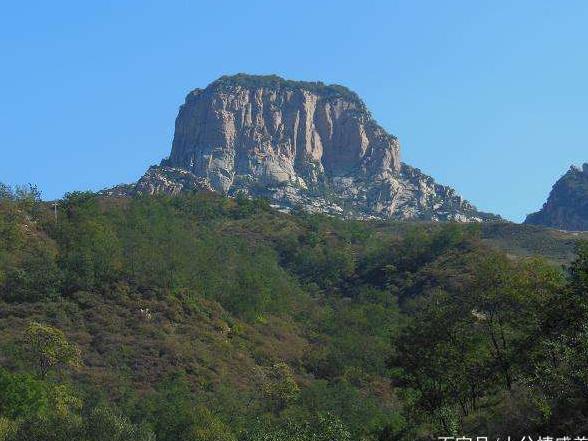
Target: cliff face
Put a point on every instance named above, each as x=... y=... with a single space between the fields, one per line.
x=278 y=134
x=567 y=205
x=299 y=144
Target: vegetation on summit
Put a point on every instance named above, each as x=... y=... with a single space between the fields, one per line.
x=276 y=82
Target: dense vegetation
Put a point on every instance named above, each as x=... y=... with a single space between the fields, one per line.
x=276 y=82
x=205 y=318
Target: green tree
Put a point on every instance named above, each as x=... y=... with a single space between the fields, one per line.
x=106 y=425
x=51 y=427
x=22 y=395
x=323 y=426
x=279 y=386
x=560 y=355
x=50 y=349
x=206 y=426
x=8 y=429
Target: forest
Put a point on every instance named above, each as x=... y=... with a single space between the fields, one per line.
x=204 y=318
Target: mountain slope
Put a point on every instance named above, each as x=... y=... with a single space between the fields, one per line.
x=567 y=205
x=299 y=144
x=214 y=318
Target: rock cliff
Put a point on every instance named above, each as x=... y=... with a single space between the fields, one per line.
x=567 y=205
x=299 y=144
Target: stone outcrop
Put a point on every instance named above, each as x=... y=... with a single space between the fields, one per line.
x=299 y=144
x=567 y=205
x=170 y=181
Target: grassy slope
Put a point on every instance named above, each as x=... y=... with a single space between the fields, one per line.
x=518 y=240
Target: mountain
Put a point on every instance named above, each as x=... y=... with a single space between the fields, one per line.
x=567 y=205
x=298 y=144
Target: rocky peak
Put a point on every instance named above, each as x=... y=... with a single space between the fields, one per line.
x=279 y=132
x=299 y=144
x=567 y=205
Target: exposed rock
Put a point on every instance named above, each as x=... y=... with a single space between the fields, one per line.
x=119 y=190
x=299 y=144
x=567 y=205
x=170 y=181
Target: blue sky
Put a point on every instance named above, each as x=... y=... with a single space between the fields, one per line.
x=489 y=97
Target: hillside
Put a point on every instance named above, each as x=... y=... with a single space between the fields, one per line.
x=518 y=241
x=209 y=318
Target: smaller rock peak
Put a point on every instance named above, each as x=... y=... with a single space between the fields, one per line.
x=579 y=169
x=567 y=205
x=574 y=168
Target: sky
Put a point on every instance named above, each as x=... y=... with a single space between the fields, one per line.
x=489 y=97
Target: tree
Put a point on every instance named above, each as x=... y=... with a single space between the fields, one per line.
x=49 y=348
x=206 y=426
x=279 y=386
x=560 y=354
x=322 y=426
x=22 y=395
x=7 y=429
x=106 y=425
